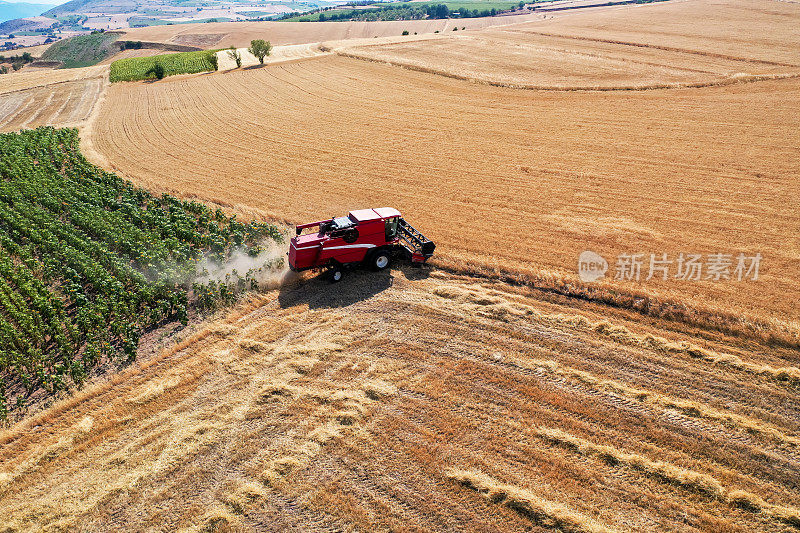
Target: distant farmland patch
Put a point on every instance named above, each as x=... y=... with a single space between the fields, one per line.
x=525 y=59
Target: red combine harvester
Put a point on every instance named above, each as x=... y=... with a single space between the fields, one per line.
x=370 y=237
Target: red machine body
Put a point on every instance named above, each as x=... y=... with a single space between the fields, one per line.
x=366 y=236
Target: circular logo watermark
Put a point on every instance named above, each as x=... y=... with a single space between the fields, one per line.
x=591 y=266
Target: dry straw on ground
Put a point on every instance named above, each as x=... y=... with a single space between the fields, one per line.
x=544 y=512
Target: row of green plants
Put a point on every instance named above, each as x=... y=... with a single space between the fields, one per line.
x=88 y=262
x=157 y=67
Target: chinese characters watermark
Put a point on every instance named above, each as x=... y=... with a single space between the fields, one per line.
x=683 y=267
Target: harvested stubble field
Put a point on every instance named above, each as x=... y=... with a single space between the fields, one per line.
x=239 y=34
x=658 y=45
x=500 y=178
x=22 y=80
x=60 y=104
x=398 y=401
x=762 y=31
x=141 y=52
x=50 y=97
x=522 y=59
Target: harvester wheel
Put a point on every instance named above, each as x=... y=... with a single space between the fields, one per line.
x=335 y=274
x=380 y=260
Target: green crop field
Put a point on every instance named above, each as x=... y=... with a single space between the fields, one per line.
x=141 y=68
x=88 y=262
x=82 y=50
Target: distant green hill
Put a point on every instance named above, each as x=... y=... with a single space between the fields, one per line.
x=82 y=50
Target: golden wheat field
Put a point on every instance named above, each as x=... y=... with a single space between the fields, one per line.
x=408 y=401
x=517 y=180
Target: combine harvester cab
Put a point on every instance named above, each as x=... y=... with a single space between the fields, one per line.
x=367 y=237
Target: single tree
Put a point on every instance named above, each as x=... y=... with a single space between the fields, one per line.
x=260 y=48
x=236 y=55
x=156 y=70
x=212 y=58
